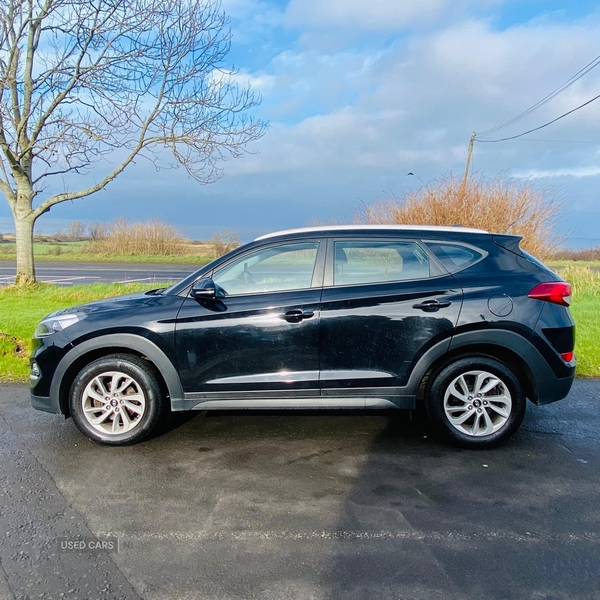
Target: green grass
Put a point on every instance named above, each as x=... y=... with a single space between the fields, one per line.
x=22 y=309
x=586 y=311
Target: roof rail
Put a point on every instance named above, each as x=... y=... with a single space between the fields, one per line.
x=325 y=228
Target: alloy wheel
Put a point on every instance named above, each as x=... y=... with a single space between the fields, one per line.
x=113 y=403
x=477 y=403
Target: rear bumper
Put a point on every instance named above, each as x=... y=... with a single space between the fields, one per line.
x=551 y=389
x=46 y=404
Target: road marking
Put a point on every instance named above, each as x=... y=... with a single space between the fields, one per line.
x=65 y=278
x=450 y=536
x=132 y=280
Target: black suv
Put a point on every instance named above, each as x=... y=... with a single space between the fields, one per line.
x=458 y=321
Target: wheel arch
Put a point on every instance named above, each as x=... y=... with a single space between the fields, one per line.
x=505 y=346
x=124 y=343
x=510 y=358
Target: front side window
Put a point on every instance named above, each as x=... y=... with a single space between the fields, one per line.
x=378 y=262
x=272 y=269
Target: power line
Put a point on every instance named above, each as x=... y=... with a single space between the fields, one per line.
x=591 y=65
x=560 y=141
x=514 y=137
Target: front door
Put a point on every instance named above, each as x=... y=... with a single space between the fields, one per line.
x=383 y=305
x=259 y=337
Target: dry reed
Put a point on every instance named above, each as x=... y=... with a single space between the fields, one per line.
x=147 y=237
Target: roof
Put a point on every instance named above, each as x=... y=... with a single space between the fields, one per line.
x=328 y=228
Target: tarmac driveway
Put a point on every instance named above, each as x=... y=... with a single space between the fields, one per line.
x=289 y=505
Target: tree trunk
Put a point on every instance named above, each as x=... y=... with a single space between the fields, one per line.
x=25 y=264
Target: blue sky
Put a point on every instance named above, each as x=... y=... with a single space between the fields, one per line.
x=358 y=94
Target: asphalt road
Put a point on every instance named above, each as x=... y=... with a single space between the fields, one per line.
x=302 y=506
x=70 y=273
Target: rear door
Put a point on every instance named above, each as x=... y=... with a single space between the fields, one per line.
x=384 y=303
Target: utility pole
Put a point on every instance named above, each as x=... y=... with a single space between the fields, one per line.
x=471 y=143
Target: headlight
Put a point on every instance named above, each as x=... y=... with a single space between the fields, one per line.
x=51 y=324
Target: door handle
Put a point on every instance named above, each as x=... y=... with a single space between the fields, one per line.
x=295 y=316
x=431 y=305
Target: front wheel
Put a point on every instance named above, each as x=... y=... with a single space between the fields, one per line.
x=476 y=402
x=116 y=400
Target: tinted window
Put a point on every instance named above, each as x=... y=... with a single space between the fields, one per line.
x=272 y=269
x=378 y=262
x=454 y=256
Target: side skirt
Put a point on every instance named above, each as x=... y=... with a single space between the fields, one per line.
x=239 y=401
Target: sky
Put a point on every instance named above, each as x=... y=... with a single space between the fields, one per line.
x=360 y=93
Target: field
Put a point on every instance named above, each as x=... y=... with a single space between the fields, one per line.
x=67 y=251
x=20 y=311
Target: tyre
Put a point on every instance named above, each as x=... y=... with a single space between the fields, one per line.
x=116 y=400
x=476 y=402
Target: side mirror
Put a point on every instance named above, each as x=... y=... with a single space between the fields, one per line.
x=204 y=289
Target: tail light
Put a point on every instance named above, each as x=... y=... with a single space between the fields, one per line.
x=557 y=292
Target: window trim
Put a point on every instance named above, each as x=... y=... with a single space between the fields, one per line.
x=328 y=281
x=318 y=268
x=483 y=254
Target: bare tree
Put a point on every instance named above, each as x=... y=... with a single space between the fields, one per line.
x=92 y=85
x=75 y=230
x=224 y=241
x=97 y=231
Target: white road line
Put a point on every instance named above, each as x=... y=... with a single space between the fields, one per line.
x=411 y=535
x=132 y=280
x=49 y=279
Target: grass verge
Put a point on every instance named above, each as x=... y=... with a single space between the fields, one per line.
x=22 y=309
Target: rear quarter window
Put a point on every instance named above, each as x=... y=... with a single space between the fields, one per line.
x=455 y=256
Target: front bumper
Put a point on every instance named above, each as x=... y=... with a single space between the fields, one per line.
x=46 y=404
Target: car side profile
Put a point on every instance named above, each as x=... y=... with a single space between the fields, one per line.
x=459 y=322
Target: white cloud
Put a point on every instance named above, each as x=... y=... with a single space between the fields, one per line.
x=372 y=15
x=352 y=119
x=259 y=81
x=412 y=106
x=252 y=20
x=352 y=123
x=256 y=81
x=577 y=172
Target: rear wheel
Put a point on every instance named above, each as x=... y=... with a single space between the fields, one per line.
x=116 y=400
x=476 y=402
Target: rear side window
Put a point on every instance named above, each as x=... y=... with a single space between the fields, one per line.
x=455 y=257
x=378 y=262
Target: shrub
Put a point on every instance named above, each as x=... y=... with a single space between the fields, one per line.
x=582 y=254
x=147 y=237
x=497 y=204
